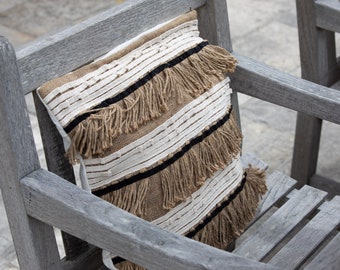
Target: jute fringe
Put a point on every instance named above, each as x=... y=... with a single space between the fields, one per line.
x=193 y=76
x=180 y=179
x=230 y=223
x=232 y=220
x=126 y=265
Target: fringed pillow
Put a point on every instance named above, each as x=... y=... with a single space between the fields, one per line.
x=152 y=125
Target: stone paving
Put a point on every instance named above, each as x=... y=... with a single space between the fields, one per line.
x=261 y=29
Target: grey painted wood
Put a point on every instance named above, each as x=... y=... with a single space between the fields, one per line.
x=279 y=185
x=283 y=221
x=269 y=84
x=306 y=148
x=58 y=164
x=69 y=49
x=329 y=257
x=50 y=198
x=34 y=241
x=303 y=244
x=328 y=14
x=318 y=64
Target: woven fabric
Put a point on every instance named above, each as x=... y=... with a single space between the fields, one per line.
x=152 y=124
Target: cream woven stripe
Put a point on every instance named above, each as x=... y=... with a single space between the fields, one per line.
x=111 y=86
x=162 y=141
x=77 y=101
x=191 y=25
x=189 y=213
x=133 y=65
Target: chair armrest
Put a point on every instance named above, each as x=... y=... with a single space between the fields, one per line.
x=269 y=84
x=55 y=201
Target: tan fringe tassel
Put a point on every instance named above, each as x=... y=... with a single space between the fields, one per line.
x=178 y=181
x=130 y=198
x=193 y=76
x=230 y=223
x=200 y=163
x=232 y=220
x=126 y=265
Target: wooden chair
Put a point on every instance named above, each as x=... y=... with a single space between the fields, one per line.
x=297 y=227
x=317 y=23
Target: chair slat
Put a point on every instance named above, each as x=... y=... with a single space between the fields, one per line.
x=328 y=14
x=297 y=250
x=283 y=221
x=329 y=257
x=279 y=185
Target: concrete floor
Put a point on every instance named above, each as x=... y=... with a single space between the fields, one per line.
x=261 y=29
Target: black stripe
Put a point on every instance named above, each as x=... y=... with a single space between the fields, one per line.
x=116 y=260
x=208 y=218
x=217 y=210
x=136 y=85
x=176 y=156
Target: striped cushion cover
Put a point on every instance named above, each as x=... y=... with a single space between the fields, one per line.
x=152 y=125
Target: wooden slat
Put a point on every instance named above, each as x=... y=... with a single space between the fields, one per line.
x=279 y=185
x=60 y=53
x=329 y=257
x=269 y=84
x=34 y=241
x=55 y=201
x=299 y=248
x=283 y=221
x=328 y=14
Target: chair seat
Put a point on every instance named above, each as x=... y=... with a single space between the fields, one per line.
x=293 y=227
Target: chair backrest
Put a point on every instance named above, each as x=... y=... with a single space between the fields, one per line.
x=59 y=54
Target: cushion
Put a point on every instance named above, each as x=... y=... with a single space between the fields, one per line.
x=152 y=125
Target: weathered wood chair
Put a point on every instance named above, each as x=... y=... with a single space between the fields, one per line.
x=317 y=23
x=37 y=200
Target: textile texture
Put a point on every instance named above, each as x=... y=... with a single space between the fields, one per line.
x=153 y=127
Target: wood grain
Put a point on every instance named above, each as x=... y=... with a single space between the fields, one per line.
x=52 y=199
x=34 y=241
x=283 y=221
x=329 y=256
x=303 y=244
x=279 y=185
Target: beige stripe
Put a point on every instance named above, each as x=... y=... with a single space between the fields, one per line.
x=49 y=86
